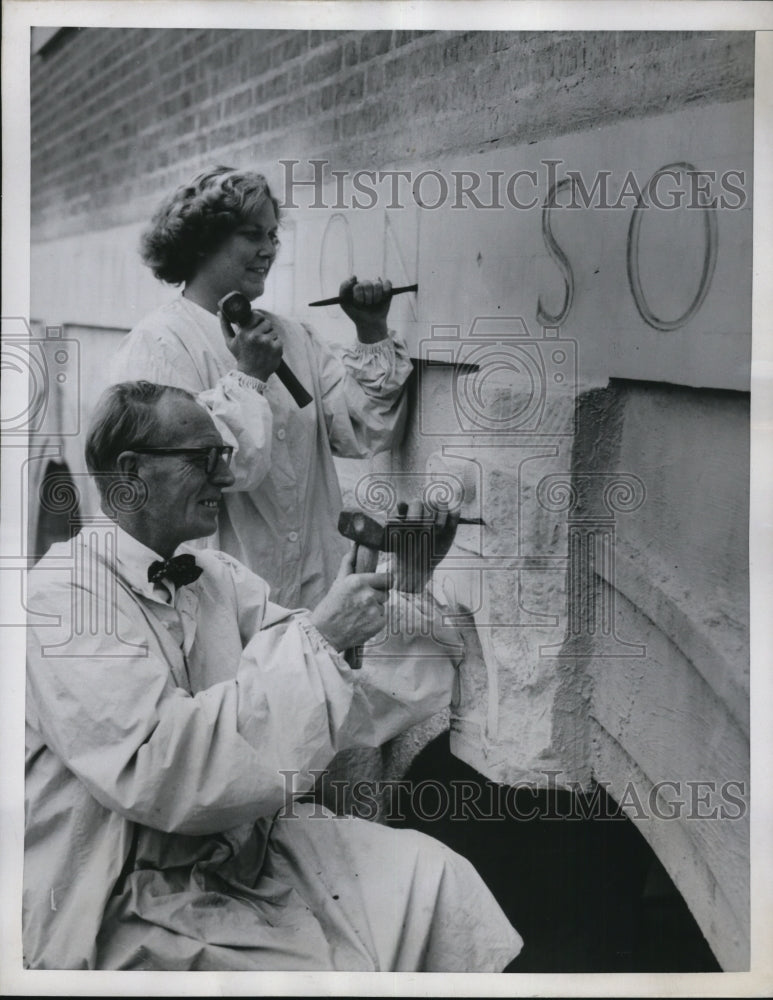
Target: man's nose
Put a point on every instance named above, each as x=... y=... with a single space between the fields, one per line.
x=222 y=475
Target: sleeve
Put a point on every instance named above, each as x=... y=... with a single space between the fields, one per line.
x=363 y=394
x=244 y=419
x=236 y=403
x=408 y=671
x=155 y=754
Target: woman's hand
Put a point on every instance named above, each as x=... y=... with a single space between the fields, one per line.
x=366 y=303
x=257 y=347
x=353 y=609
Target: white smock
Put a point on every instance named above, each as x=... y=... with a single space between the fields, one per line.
x=280 y=518
x=161 y=728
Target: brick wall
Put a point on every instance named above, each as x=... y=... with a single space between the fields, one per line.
x=119 y=116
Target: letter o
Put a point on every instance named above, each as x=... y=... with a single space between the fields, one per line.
x=417 y=800
x=709 y=258
x=337 y=243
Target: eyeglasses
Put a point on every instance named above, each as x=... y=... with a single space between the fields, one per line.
x=212 y=456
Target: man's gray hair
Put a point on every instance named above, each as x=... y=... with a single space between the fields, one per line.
x=125 y=418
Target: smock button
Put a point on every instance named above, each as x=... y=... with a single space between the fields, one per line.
x=293 y=536
x=281 y=433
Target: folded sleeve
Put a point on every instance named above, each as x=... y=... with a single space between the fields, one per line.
x=243 y=417
x=363 y=394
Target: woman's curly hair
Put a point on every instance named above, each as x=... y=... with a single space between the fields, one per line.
x=197 y=217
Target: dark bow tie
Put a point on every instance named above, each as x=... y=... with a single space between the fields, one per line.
x=178 y=570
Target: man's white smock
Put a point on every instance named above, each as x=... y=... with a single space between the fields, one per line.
x=280 y=518
x=159 y=724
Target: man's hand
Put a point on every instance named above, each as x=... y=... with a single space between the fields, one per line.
x=366 y=303
x=421 y=539
x=257 y=348
x=353 y=609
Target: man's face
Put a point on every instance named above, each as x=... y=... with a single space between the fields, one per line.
x=182 y=499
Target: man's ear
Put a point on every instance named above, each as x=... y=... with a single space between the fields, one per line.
x=127 y=492
x=127 y=462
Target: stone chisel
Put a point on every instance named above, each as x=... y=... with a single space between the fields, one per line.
x=338 y=300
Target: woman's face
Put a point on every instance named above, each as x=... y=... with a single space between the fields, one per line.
x=242 y=261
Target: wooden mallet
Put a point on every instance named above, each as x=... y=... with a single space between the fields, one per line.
x=237 y=309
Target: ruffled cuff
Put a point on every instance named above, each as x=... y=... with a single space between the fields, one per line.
x=385 y=346
x=247 y=381
x=421 y=601
x=318 y=642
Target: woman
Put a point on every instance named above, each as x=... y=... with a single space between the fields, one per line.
x=217 y=235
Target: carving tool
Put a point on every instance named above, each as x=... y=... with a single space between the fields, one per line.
x=338 y=300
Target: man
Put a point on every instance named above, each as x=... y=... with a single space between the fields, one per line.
x=168 y=707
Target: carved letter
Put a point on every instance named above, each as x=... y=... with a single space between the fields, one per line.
x=558 y=255
x=336 y=255
x=709 y=257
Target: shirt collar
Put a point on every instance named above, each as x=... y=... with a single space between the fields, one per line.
x=134 y=559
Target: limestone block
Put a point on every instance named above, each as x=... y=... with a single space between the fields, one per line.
x=518 y=715
x=671 y=723
x=725 y=927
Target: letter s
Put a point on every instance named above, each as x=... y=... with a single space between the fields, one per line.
x=558 y=255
